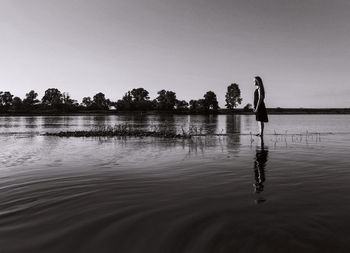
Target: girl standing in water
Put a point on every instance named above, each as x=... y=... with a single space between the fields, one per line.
x=259 y=105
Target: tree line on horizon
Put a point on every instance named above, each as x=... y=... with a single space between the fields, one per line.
x=134 y=100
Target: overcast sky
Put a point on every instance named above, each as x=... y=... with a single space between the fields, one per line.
x=301 y=48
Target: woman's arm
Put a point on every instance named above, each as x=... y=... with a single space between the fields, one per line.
x=259 y=101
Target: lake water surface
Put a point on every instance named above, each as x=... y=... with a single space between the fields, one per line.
x=230 y=193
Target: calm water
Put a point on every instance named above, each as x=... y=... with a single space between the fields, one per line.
x=230 y=193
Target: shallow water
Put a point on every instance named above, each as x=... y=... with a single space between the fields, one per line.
x=229 y=193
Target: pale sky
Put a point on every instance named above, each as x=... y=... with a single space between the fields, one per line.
x=301 y=48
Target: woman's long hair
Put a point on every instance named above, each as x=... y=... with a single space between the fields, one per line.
x=259 y=81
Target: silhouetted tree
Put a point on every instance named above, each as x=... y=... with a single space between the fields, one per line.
x=87 y=101
x=233 y=96
x=52 y=98
x=128 y=97
x=197 y=106
x=193 y=105
x=31 y=99
x=136 y=99
x=154 y=104
x=248 y=107
x=125 y=104
x=145 y=105
x=181 y=105
x=166 y=100
x=66 y=99
x=17 y=104
x=100 y=101
x=139 y=94
x=141 y=99
x=210 y=102
x=69 y=104
x=5 y=100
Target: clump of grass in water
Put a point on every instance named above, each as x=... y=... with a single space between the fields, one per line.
x=122 y=130
x=298 y=137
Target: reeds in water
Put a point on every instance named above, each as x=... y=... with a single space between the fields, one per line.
x=122 y=130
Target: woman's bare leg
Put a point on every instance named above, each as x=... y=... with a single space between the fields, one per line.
x=261 y=128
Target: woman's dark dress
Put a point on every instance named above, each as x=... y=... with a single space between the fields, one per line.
x=261 y=114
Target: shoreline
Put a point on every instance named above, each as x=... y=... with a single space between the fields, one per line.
x=272 y=111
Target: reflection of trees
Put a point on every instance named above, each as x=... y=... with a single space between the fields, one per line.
x=137 y=120
x=233 y=130
x=52 y=122
x=260 y=161
x=203 y=124
x=9 y=122
x=57 y=122
x=30 y=122
x=100 y=120
x=164 y=123
x=201 y=144
x=210 y=124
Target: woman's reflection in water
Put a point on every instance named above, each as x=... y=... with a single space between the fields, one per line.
x=259 y=167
